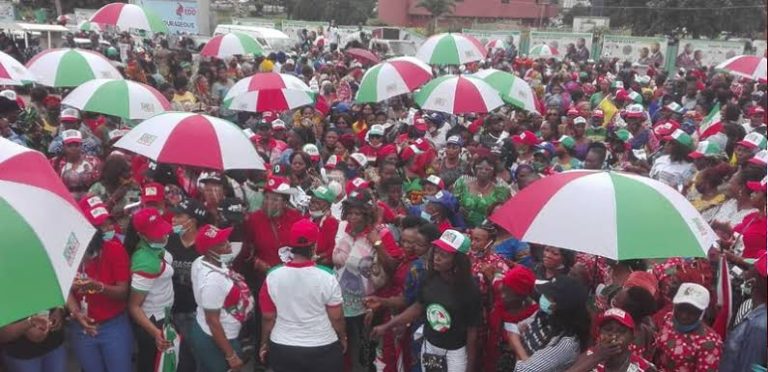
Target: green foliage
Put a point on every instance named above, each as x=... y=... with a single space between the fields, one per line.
x=345 y=12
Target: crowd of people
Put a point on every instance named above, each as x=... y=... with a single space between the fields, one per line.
x=366 y=242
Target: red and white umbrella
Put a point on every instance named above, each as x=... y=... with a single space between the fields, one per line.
x=451 y=49
x=12 y=72
x=391 y=78
x=129 y=16
x=268 y=91
x=70 y=67
x=231 y=44
x=363 y=56
x=122 y=98
x=750 y=67
x=192 y=139
x=496 y=44
x=458 y=94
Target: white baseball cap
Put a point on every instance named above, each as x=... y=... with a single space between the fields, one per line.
x=692 y=294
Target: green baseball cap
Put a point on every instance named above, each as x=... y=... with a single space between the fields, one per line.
x=681 y=137
x=324 y=193
x=623 y=135
x=452 y=241
x=567 y=142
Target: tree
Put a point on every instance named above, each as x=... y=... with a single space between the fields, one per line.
x=437 y=8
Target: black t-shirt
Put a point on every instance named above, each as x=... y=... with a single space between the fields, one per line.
x=449 y=311
x=183 y=299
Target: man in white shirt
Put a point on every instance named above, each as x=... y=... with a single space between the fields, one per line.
x=302 y=319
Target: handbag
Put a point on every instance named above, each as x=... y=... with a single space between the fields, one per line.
x=434 y=362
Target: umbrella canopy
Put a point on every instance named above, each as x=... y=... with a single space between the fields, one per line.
x=750 y=67
x=129 y=16
x=232 y=44
x=391 y=78
x=12 y=72
x=268 y=91
x=70 y=67
x=496 y=44
x=89 y=26
x=458 y=94
x=363 y=56
x=542 y=51
x=41 y=250
x=192 y=139
x=615 y=215
x=451 y=49
x=122 y=98
x=514 y=90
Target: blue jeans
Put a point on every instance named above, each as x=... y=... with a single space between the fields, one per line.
x=54 y=361
x=208 y=356
x=109 y=351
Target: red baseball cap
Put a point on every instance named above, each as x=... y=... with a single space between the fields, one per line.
x=618 y=315
x=666 y=128
x=150 y=223
x=278 y=185
x=435 y=180
x=758 y=185
x=597 y=113
x=356 y=184
x=304 y=233
x=94 y=209
x=621 y=95
x=526 y=138
x=152 y=192
x=268 y=116
x=755 y=110
x=520 y=280
x=209 y=236
x=573 y=112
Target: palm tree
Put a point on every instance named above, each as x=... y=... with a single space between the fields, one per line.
x=437 y=8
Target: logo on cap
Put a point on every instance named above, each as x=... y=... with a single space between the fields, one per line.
x=211 y=232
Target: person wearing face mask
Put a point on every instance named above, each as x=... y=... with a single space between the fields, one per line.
x=188 y=216
x=100 y=332
x=487 y=266
x=439 y=209
x=745 y=345
x=151 y=293
x=375 y=139
x=224 y=303
x=558 y=333
x=684 y=342
x=320 y=212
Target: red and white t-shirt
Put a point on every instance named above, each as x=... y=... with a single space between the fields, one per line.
x=299 y=294
x=216 y=288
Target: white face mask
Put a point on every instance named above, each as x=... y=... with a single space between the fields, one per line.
x=317 y=214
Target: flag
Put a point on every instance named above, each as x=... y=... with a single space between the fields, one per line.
x=168 y=360
x=724 y=299
x=609 y=110
x=711 y=124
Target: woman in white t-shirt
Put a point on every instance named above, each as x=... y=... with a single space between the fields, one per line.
x=675 y=167
x=224 y=302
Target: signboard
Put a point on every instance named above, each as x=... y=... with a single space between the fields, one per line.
x=696 y=53
x=560 y=40
x=6 y=12
x=589 y=24
x=179 y=15
x=485 y=36
x=644 y=50
x=760 y=47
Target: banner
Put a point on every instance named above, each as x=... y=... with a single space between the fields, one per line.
x=697 y=53
x=179 y=15
x=6 y=12
x=644 y=50
x=488 y=35
x=82 y=14
x=560 y=40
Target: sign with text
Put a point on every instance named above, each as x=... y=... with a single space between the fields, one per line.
x=644 y=50
x=179 y=15
x=696 y=53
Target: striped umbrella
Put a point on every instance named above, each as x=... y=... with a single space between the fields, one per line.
x=496 y=44
x=129 y=16
x=750 y=67
x=268 y=91
x=610 y=214
x=41 y=249
x=88 y=26
x=232 y=44
x=391 y=78
x=12 y=72
x=514 y=90
x=192 y=139
x=451 y=49
x=458 y=94
x=542 y=51
x=122 y=98
x=70 y=67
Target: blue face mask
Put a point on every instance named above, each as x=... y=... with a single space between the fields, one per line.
x=682 y=328
x=108 y=235
x=178 y=229
x=545 y=305
x=157 y=245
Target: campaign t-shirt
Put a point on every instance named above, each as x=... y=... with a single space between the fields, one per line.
x=152 y=272
x=183 y=299
x=217 y=288
x=449 y=312
x=110 y=267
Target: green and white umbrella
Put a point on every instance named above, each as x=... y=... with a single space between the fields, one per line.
x=458 y=94
x=61 y=68
x=610 y=214
x=514 y=90
x=122 y=98
x=44 y=234
x=391 y=78
x=88 y=26
x=451 y=49
x=232 y=44
x=543 y=51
